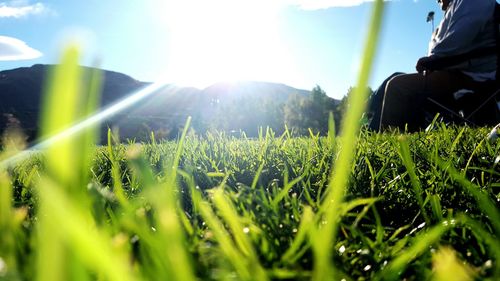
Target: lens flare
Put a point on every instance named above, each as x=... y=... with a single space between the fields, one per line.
x=92 y=120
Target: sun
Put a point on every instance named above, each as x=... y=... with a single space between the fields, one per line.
x=224 y=40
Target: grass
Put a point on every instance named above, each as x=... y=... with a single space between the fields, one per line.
x=251 y=209
x=360 y=206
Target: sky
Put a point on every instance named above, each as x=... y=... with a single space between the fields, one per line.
x=301 y=43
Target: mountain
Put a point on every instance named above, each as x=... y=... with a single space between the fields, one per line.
x=224 y=106
x=21 y=93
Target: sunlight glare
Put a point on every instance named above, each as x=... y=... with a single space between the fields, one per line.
x=96 y=119
x=225 y=40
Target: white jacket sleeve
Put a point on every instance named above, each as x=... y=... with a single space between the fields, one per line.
x=461 y=27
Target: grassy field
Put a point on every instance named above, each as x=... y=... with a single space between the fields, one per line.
x=415 y=206
x=357 y=206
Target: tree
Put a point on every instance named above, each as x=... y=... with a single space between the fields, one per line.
x=311 y=112
x=343 y=105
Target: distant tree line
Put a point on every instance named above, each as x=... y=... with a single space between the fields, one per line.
x=230 y=107
x=299 y=113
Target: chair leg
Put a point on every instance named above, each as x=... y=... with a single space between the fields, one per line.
x=488 y=100
x=449 y=114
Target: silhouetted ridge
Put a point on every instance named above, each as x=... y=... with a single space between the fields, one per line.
x=250 y=103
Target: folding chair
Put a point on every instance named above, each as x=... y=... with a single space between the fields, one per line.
x=476 y=107
x=479 y=106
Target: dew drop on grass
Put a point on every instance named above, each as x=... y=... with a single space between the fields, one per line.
x=363 y=251
x=3 y=267
x=421 y=225
x=246 y=230
x=415 y=229
x=153 y=229
x=134 y=239
x=281 y=225
x=342 y=249
x=368 y=267
x=294 y=230
x=141 y=212
x=488 y=264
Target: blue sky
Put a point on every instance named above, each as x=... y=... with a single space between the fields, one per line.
x=301 y=43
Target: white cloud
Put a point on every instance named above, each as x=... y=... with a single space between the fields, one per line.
x=15 y=49
x=325 y=4
x=19 y=9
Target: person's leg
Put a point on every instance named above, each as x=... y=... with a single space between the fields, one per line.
x=405 y=96
x=375 y=103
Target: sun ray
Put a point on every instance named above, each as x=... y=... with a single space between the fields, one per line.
x=95 y=119
x=225 y=40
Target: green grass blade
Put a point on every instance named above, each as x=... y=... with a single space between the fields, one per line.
x=290 y=256
x=11 y=220
x=73 y=229
x=447 y=266
x=255 y=180
x=223 y=238
x=483 y=200
x=229 y=214
x=60 y=111
x=91 y=100
x=116 y=173
x=326 y=235
x=422 y=242
x=490 y=239
x=173 y=238
x=331 y=129
x=436 y=207
x=404 y=150
x=286 y=189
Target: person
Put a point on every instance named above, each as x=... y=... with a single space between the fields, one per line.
x=466 y=25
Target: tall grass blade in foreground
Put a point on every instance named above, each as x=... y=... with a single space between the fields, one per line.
x=234 y=222
x=275 y=210
x=404 y=150
x=68 y=241
x=171 y=234
x=11 y=218
x=421 y=244
x=483 y=200
x=324 y=239
x=445 y=261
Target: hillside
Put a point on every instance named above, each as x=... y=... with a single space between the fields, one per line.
x=224 y=106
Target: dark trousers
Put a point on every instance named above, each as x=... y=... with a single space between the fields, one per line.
x=405 y=96
x=376 y=101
